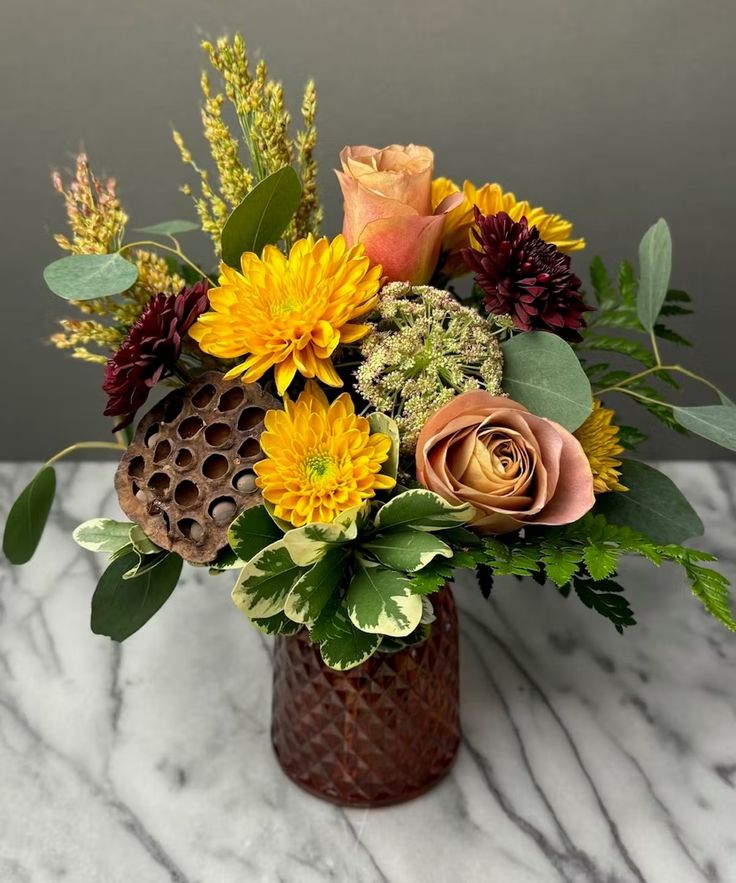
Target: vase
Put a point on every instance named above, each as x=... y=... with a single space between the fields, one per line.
x=380 y=733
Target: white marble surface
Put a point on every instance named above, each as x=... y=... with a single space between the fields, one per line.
x=586 y=756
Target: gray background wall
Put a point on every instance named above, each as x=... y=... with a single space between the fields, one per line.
x=612 y=113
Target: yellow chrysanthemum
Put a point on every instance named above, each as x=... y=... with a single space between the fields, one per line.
x=599 y=439
x=321 y=459
x=490 y=199
x=290 y=312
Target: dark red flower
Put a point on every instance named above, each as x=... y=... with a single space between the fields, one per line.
x=151 y=349
x=525 y=277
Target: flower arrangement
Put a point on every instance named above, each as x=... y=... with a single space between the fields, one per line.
x=348 y=420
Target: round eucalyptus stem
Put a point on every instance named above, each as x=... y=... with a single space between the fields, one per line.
x=655 y=347
x=85 y=446
x=621 y=386
x=177 y=251
x=641 y=397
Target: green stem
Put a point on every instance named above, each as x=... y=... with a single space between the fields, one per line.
x=642 y=398
x=619 y=387
x=85 y=446
x=177 y=251
x=655 y=347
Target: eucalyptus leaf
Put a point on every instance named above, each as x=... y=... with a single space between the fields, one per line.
x=27 y=517
x=542 y=372
x=104 y=535
x=251 y=532
x=169 y=228
x=655 y=266
x=120 y=607
x=89 y=276
x=379 y=422
x=262 y=217
x=380 y=601
x=653 y=505
x=717 y=423
x=421 y=509
x=407 y=550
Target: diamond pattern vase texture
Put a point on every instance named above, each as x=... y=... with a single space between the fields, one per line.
x=380 y=733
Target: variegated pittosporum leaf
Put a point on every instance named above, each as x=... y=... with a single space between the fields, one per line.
x=314 y=588
x=421 y=509
x=121 y=539
x=341 y=644
x=279 y=624
x=226 y=560
x=141 y=543
x=406 y=549
x=380 y=601
x=307 y=544
x=265 y=581
x=384 y=424
x=104 y=535
x=251 y=532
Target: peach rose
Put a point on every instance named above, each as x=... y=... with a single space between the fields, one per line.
x=388 y=208
x=515 y=468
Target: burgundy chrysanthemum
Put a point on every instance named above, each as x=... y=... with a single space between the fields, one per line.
x=151 y=349
x=525 y=277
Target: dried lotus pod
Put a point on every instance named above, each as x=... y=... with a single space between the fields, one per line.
x=188 y=471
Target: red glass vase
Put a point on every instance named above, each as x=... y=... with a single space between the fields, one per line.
x=382 y=732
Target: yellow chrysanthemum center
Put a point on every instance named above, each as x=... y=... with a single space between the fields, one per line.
x=491 y=199
x=599 y=439
x=321 y=459
x=291 y=312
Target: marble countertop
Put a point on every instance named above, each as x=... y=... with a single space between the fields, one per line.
x=586 y=756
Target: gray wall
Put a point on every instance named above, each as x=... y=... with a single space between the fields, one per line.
x=612 y=113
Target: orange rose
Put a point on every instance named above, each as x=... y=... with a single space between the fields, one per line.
x=388 y=208
x=515 y=468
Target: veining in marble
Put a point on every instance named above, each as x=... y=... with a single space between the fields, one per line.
x=587 y=756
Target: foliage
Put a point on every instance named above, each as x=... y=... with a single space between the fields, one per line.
x=257 y=103
x=355 y=580
x=613 y=329
x=27 y=517
x=542 y=372
x=88 y=276
x=634 y=307
x=717 y=423
x=655 y=264
x=585 y=556
x=122 y=604
x=262 y=217
x=653 y=505
x=169 y=228
x=124 y=600
x=250 y=532
x=97 y=223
